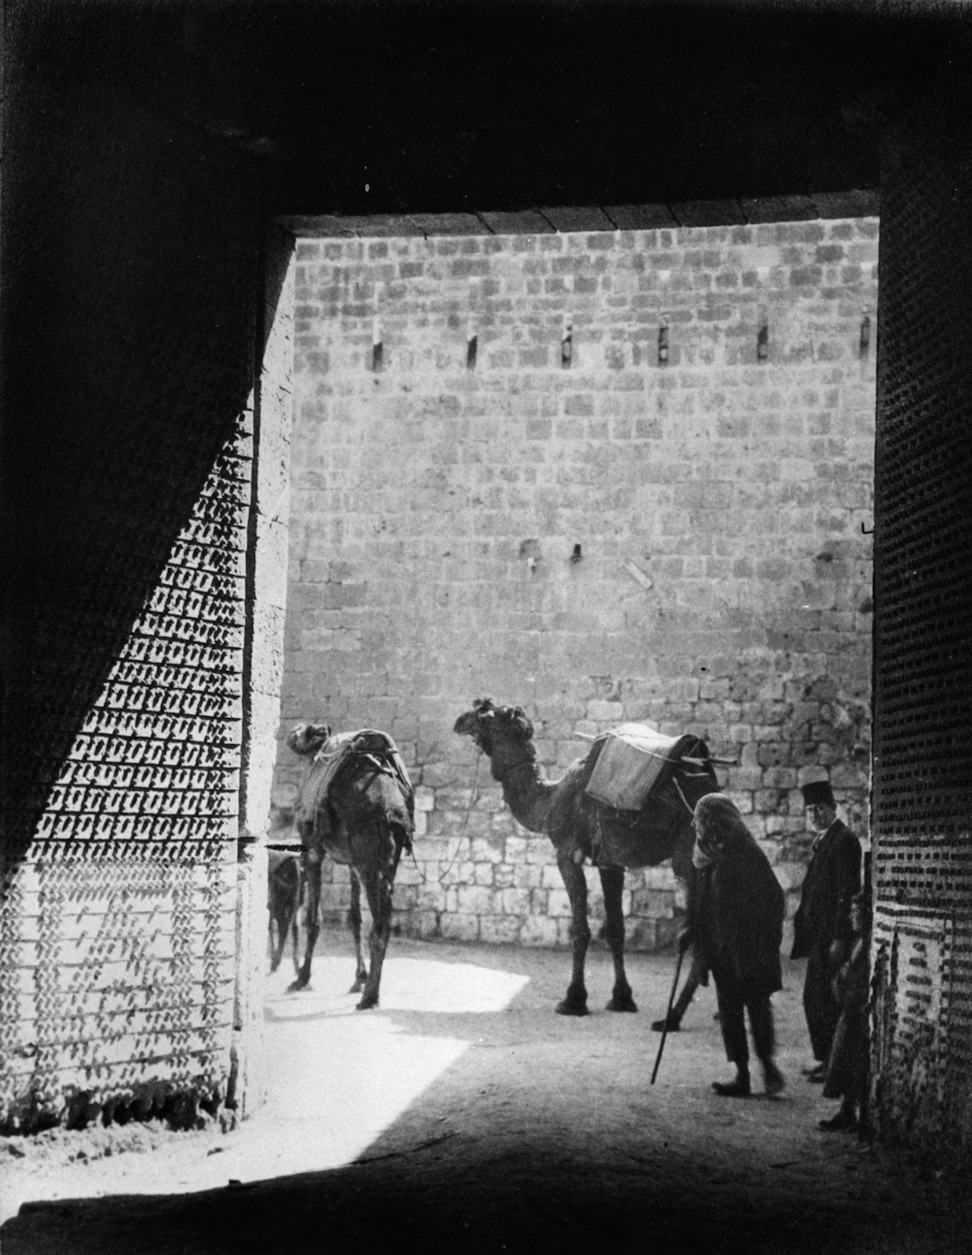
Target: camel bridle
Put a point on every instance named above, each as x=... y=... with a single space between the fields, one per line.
x=473 y=798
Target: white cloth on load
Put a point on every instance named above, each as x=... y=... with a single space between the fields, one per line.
x=632 y=758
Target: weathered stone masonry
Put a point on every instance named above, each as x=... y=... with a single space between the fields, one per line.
x=597 y=535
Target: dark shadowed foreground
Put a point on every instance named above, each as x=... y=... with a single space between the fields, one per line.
x=465 y=1116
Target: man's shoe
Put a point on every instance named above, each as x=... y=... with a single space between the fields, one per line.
x=658 y=1026
x=732 y=1089
x=843 y=1121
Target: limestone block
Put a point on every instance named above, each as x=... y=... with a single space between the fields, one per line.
x=485 y=873
x=458 y=927
x=486 y=850
x=654 y=902
x=605 y=712
x=539 y=930
x=410 y=873
x=550 y=877
x=476 y=900
x=516 y=849
x=558 y=903
x=642 y=933
x=661 y=877
x=540 y=850
x=514 y=901
x=424 y=799
x=500 y=930
x=424 y=924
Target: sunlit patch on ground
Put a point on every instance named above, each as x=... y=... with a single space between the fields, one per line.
x=339 y=1076
x=429 y=985
x=336 y=1079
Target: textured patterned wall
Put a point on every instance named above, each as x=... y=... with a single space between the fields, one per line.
x=131 y=612
x=118 y=942
x=922 y=801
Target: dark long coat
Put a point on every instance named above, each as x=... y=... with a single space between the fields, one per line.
x=736 y=910
x=848 y=1063
x=833 y=878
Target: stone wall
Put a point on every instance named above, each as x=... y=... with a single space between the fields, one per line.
x=611 y=476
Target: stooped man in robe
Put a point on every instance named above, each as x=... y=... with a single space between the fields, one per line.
x=735 y=926
x=822 y=926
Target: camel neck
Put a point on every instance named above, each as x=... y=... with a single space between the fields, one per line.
x=526 y=794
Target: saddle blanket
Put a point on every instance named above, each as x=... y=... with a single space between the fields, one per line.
x=634 y=760
x=332 y=756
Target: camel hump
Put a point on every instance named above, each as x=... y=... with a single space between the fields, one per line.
x=340 y=749
x=635 y=762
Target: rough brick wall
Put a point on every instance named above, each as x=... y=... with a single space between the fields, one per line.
x=136 y=620
x=922 y=805
x=716 y=502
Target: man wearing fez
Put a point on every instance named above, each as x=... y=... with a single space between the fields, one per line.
x=821 y=928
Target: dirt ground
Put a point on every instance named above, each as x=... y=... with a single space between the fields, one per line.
x=466 y=1116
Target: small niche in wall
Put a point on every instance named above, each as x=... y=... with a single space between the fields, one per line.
x=864 y=342
x=567 y=341
x=472 y=325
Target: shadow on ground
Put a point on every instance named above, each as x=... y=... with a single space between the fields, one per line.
x=465 y=1116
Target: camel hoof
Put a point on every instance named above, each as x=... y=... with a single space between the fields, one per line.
x=357 y=987
x=626 y=1003
x=367 y=1004
x=298 y=986
x=571 y=1008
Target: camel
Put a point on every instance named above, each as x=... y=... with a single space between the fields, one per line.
x=283 y=903
x=582 y=828
x=356 y=804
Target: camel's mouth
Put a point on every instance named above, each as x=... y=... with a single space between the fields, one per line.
x=470 y=725
x=307 y=738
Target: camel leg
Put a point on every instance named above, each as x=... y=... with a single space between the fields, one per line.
x=378 y=884
x=612 y=882
x=277 y=938
x=354 y=916
x=313 y=872
x=295 y=918
x=295 y=934
x=575 y=882
x=284 y=905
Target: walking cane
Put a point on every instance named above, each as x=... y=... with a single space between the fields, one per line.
x=671 y=1003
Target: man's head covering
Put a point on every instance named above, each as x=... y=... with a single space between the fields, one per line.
x=818 y=793
x=718 y=826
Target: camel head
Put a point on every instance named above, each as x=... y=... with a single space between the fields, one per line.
x=307 y=738
x=494 y=728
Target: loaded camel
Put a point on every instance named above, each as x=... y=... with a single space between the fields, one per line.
x=356 y=804
x=582 y=827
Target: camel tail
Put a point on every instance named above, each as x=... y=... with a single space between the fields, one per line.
x=402 y=834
